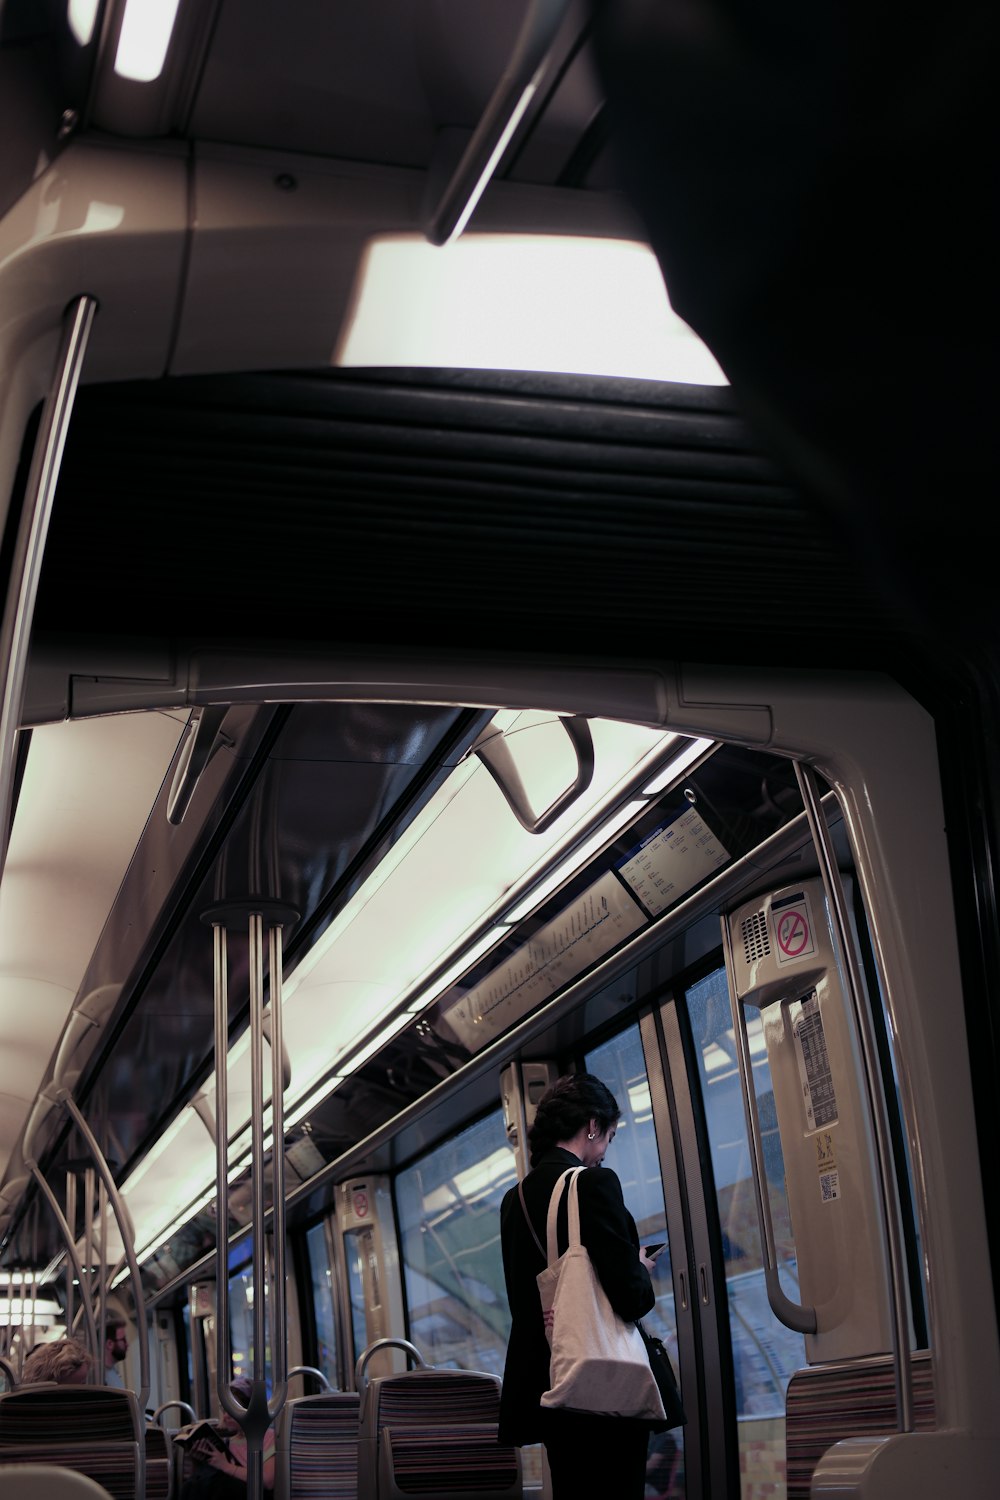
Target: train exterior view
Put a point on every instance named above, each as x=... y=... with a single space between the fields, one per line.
x=426 y=675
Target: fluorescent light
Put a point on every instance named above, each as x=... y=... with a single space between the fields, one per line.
x=521 y=302
x=568 y=867
x=81 y=15
x=164 y=1234
x=677 y=766
x=367 y=990
x=145 y=36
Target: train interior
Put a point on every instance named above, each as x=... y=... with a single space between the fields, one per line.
x=430 y=683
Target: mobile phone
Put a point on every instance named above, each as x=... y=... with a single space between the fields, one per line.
x=654 y=1250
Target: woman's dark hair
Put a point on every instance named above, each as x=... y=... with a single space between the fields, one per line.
x=572 y=1101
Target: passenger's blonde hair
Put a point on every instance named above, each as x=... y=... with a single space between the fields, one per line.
x=57 y=1361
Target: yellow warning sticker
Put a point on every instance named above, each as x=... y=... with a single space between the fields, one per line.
x=826 y=1163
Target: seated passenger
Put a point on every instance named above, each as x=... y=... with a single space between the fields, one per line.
x=65 y=1361
x=221 y=1474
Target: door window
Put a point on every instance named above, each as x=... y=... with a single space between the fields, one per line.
x=765 y=1352
x=633 y=1155
x=321 y=1277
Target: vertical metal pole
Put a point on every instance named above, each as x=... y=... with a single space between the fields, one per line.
x=26 y=567
x=279 y=1351
x=69 y=1239
x=87 y=1240
x=124 y=1222
x=102 y=1259
x=222 y=1370
x=255 y=1455
x=255 y=1418
x=889 y=1200
x=71 y=1216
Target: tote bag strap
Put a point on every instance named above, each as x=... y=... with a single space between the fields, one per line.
x=573 y=1207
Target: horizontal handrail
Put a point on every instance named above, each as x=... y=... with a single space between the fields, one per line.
x=410 y=1349
x=310 y=1370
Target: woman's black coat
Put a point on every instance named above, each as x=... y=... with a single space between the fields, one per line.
x=609 y=1233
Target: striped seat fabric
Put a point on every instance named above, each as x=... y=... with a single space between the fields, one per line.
x=92 y=1429
x=830 y=1402
x=159 y=1463
x=317 y=1448
x=445 y=1460
x=434 y=1432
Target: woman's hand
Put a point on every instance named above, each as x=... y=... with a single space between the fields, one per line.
x=207 y=1453
x=649 y=1264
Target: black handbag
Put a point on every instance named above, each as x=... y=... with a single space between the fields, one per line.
x=663 y=1374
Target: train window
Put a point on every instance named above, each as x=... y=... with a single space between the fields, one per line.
x=324 y=1311
x=358 y=1244
x=188 y=1351
x=448 y=1204
x=634 y=1156
x=765 y=1352
x=241 y=1291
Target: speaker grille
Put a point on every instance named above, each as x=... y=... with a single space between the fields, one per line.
x=756 y=943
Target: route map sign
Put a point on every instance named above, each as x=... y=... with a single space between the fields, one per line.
x=590 y=927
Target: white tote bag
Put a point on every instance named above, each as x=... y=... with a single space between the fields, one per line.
x=598 y=1362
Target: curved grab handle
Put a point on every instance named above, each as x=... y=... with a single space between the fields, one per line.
x=310 y=1370
x=794 y=1315
x=495 y=754
x=404 y=1344
x=184 y=1406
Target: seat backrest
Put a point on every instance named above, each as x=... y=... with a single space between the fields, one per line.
x=434 y=1432
x=92 y=1429
x=47 y=1482
x=828 y=1402
x=316 y=1447
x=160 y=1466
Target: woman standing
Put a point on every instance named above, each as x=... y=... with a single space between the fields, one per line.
x=593 y=1456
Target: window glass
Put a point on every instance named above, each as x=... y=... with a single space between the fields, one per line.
x=358 y=1243
x=188 y=1350
x=321 y=1277
x=448 y=1205
x=634 y=1156
x=765 y=1352
x=241 y=1321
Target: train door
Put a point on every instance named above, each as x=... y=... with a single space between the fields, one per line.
x=683 y=1155
x=751 y=1305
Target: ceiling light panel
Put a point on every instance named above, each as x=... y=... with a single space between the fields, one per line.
x=563 y=304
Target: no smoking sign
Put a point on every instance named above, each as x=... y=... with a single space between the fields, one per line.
x=793 y=932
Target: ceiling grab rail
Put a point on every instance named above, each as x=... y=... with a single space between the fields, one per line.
x=795 y=1315
x=260 y=1412
x=29 y=545
x=892 y=1232
x=495 y=753
x=517 y=87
